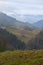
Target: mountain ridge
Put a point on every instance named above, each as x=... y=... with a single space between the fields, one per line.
x=39 y=24
x=6 y=20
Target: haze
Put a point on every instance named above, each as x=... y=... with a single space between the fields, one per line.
x=21 y=7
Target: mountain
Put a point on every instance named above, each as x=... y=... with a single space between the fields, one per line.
x=36 y=42
x=39 y=24
x=6 y=20
x=8 y=41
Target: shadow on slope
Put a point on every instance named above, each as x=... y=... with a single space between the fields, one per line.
x=36 y=42
x=8 y=41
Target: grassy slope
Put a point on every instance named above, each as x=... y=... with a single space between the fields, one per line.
x=23 y=35
x=29 y=57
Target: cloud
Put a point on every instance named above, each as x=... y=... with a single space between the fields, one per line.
x=22 y=7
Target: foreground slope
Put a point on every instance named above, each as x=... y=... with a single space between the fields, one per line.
x=29 y=57
x=9 y=41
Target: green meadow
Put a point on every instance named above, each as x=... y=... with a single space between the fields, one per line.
x=19 y=57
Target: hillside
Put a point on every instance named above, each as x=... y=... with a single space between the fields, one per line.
x=8 y=41
x=27 y=57
x=22 y=34
x=36 y=42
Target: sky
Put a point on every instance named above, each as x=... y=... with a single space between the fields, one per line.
x=22 y=7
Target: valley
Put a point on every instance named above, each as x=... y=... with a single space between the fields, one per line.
x=21 y=43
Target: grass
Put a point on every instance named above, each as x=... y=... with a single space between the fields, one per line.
x=23 y=35
x=19 y=57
